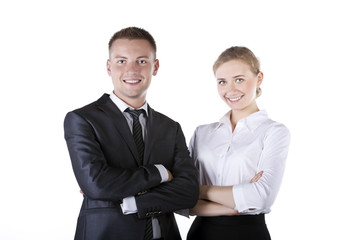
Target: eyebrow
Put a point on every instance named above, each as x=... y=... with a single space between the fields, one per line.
x=236 y=76
x=136 y=58
x=240 y=75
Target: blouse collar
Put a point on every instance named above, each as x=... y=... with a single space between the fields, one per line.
x=251 y=122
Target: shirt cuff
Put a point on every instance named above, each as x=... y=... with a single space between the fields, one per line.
x=163 y=172
x=128 y=205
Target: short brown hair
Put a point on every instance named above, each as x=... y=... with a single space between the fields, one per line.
x=239 y=53
x=132 y=33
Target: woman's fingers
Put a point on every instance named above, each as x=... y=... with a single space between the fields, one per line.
x=257 y=177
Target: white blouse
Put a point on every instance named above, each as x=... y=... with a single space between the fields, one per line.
x=226 y=158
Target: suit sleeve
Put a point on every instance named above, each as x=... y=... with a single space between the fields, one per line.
x=181 y=193
x=96 y=178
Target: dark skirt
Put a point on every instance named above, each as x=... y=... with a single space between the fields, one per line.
x=243 y=227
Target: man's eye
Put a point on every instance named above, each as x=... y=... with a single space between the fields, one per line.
x=239 y=80
x=121 y=61
x=142 y=61
x=221 y=82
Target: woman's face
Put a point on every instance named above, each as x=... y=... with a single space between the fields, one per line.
x=237 y=85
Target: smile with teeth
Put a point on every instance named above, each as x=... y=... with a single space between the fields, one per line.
x=132 y=81
x=234 y=99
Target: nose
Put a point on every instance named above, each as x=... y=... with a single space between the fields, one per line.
x=230 y=86
x=132 y=67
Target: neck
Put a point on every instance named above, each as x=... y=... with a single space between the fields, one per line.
x=237 y=115
x=133 y=102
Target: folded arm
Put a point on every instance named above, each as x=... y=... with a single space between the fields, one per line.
x=261 y=192
x=261 y=195
x=96 y=178
x=180 y=193
x=218 y=200
x=210 y=209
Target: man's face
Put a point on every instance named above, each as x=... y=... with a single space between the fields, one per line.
x=131 y=65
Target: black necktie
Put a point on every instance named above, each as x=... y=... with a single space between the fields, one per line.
x=137 y=131
x=139 y=142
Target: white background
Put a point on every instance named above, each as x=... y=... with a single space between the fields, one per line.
x=52 y=60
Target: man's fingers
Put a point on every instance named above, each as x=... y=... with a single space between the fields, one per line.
x=170 y=175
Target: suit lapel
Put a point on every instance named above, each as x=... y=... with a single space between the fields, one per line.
x=117 y=118
x=151 y=133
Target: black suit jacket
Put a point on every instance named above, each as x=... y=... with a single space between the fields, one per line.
x=108 y=169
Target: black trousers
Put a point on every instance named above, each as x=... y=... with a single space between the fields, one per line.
x=243 y=227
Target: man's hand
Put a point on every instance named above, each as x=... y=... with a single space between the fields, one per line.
x=170 y=176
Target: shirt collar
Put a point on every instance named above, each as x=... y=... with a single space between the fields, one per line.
x=252 y=121
x=123 y=105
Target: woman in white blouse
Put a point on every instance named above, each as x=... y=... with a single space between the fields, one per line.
x=241 y=158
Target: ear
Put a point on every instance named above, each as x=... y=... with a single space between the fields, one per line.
x=108 y=67
x=260 y=78
x=156 y=67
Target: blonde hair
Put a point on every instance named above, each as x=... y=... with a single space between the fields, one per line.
x=239 y=53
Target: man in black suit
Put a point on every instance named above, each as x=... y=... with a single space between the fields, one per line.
x=133 y=167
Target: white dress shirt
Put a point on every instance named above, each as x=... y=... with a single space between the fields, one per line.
x=129 y=203
x=226 y=158
x=142 y=119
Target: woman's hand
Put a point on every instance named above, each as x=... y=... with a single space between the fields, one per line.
x=217 y=200
x=210 y=209
x=257 y=177
x=203 y=189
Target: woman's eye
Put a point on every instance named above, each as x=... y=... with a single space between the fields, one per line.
x=239 y=80
x=221 y=82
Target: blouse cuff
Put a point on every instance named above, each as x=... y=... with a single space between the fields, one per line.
x=239 y=198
